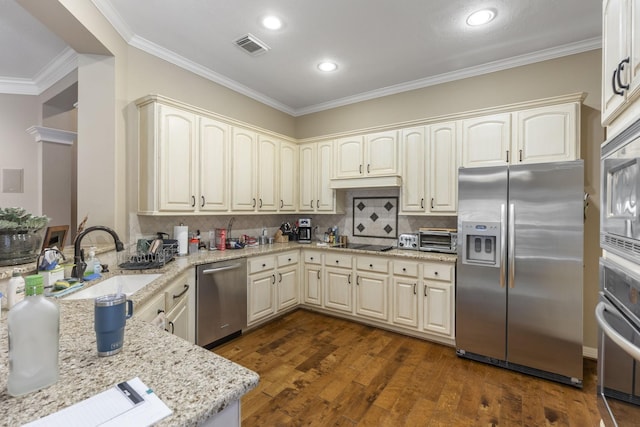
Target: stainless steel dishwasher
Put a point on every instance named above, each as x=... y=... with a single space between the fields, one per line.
x=221 y=301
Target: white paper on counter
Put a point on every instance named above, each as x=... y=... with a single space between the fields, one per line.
x=110 y=408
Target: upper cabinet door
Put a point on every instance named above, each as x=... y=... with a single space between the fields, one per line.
x=268 y=156
x=177 y=136
x=288 y=177
x=443 y=168
x=307 y=177
x=547 y=134
x=381 y=154
x=486 y=140
x=325 y=196
x=413 y=152
x=243 y=170
x=348 y=157
x=214 y=166
x=615 y=48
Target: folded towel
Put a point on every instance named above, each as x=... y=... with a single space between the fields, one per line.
x=67 y=291
x=159 y=320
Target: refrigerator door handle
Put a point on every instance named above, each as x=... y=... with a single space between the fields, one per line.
x=512 y=245
x=503 y=244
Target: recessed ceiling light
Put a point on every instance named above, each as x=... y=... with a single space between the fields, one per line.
x=481 y=17
x=272 y=22
x=327 y=66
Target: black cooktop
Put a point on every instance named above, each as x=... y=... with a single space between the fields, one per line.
x=372 y=248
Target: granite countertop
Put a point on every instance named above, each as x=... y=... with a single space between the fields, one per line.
x=195 y=383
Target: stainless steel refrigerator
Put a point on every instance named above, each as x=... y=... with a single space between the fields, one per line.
x=520 y=268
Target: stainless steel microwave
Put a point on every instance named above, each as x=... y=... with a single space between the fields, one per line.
x=438 y=240
x=620 y=187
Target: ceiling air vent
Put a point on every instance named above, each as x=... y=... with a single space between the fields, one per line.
x=252 y=45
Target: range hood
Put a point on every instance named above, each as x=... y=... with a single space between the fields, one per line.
x=366 y=182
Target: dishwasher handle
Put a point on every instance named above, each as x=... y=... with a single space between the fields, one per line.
x=219 y=269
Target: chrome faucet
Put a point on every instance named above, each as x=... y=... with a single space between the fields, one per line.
x=78 y=253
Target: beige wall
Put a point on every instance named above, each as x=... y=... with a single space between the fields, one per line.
x=571 y=74
x=20 y=150
x=150 y=75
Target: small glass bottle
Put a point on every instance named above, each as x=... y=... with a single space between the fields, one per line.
x=15 y=292
x=34 y=330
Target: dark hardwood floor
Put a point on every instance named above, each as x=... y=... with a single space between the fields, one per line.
x=316 y=370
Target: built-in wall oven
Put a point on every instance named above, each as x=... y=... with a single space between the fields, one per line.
x=618 y=310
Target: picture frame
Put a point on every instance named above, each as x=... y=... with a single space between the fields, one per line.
x=55 y=236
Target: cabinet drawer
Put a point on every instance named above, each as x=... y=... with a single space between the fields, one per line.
x=177 y=291
x=288 y=259
x=369 y=263
x=338 y=260
x=405 y=268
x=261 y=264
x=312 y=257
x=438 y=271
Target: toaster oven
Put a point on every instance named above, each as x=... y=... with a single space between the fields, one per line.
x=438 y=240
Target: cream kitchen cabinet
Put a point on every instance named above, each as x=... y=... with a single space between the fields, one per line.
x=288 y=177
x=438 y=294
x=442 y=169
x=338 y=282
x=177 y=301
x=183 y=161
x=288 y=284
x=404 y=310
x=180 y=306
x=315 y=176
x=268 y=173
x=261 y=182
x=272 y=285
x=547 y=134
x=413 y=157
x=261 y=302
x=366 y=156
x=429 y=157
x=372 y=287
x=312 y=278
x=243 y=170
x=620 y=56
x=486 y=140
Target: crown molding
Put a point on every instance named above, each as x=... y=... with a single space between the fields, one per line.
x=64 y=63
x=491 y=67
x=58 y=136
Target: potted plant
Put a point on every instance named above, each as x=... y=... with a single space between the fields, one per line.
x=21 y=236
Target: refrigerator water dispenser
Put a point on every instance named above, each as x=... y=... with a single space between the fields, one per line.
x=481 y=243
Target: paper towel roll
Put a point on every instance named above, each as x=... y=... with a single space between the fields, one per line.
x=181 y=234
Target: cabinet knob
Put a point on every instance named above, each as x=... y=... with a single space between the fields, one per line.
x=289 y=259
x=337 y=261
x=435 y=272
x=202 y=205
x=404 y=269
x=370 y=265
x=264 y=265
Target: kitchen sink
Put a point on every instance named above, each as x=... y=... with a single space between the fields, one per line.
x=129 y=284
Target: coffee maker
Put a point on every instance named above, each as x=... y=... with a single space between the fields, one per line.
x=304 y=230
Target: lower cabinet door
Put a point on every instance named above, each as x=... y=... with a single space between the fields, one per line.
x=437 y=307
x=178 y=319
x=313 y=285
x=288 y=288
x=371 y=296
x=260 y=297
x=405 y=301
x=338 y=292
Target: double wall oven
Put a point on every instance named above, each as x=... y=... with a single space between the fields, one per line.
x=618 y=309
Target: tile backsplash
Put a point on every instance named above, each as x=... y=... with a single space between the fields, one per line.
x=147 y=226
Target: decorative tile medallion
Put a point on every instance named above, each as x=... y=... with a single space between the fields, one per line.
x=375 y=217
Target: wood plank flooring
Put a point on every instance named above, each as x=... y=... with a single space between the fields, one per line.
x=316 y=370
